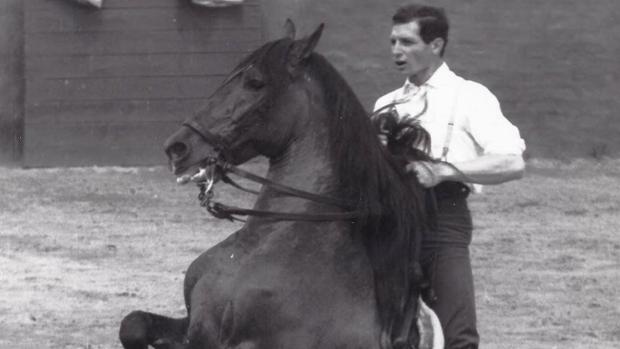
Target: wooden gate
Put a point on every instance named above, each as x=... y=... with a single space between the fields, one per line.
x=105 y=87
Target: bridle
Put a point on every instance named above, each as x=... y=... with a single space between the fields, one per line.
x=215 y=166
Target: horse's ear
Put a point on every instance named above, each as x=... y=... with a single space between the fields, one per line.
x=303 y=48
x=289 y=29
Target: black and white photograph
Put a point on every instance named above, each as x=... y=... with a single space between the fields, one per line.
x=309 y=174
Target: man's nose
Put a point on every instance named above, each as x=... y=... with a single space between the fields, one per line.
x=396 y=48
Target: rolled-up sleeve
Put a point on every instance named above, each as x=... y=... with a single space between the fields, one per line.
x=488 y=126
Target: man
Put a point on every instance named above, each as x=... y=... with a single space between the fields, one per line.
x=477 y=144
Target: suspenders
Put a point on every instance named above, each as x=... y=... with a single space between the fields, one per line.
x=450 y=130
x=451 y=121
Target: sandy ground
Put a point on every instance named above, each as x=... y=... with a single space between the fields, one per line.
x=82 y=247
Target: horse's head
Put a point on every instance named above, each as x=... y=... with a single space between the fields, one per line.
x=247 y=115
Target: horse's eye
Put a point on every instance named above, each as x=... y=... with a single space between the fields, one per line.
x=254 y=83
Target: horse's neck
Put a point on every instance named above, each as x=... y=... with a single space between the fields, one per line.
x=304 y=165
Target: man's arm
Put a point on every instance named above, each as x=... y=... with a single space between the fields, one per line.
x=487 y=169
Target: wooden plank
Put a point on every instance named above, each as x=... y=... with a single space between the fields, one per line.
x=149 y=18
x=166 y=64
x=46 y=90
x=11 y=81
x=62 y=144
x=47 y=5
x=115 y=111
x=108 y=86
x=134 y=42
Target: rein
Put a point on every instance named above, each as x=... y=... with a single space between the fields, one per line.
x=223 y=211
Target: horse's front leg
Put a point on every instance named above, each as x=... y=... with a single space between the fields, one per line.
x=140 y=329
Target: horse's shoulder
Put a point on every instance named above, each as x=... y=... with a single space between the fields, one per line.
x=222 y=261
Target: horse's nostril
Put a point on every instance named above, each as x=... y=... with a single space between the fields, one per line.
x=177 y=150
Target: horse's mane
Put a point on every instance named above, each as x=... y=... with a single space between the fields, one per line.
x=369 y=175
x=393 y=203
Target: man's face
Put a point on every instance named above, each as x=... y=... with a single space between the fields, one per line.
x=411 y=54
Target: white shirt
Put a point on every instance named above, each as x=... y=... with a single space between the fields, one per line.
x=480 y=127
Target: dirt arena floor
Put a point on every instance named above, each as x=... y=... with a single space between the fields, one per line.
x=82 y=247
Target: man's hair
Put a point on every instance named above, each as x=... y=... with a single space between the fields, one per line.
x=432 y=21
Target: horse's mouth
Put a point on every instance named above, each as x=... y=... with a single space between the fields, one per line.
x=189 y=173
x=199 y=174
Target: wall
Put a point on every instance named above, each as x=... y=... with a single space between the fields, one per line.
x=106 y=87
x=11 y=81
x=553 y=64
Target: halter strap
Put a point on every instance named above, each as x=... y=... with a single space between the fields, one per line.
x=208 y=136
x=219 y=210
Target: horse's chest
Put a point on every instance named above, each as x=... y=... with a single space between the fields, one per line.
x=300 y=302
x=288 y=295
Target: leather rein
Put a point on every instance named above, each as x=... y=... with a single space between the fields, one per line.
x=217 y=166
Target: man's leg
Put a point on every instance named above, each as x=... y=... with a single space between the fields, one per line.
x=449 y=270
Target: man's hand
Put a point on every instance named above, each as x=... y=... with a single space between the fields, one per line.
x=429 y=174
x=486 y=169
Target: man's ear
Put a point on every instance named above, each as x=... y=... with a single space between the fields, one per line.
x=289 y=29
x=437 y=45
x=303 y=48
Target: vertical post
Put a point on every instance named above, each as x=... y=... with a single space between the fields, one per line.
x=12 y=81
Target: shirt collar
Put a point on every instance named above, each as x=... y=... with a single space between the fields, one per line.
x=441 y=77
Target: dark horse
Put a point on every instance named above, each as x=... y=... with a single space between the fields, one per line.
x=340 y=282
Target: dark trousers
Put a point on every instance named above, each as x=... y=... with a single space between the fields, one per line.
x=446 y=263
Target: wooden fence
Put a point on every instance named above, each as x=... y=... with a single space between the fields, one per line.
x=107 y=86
